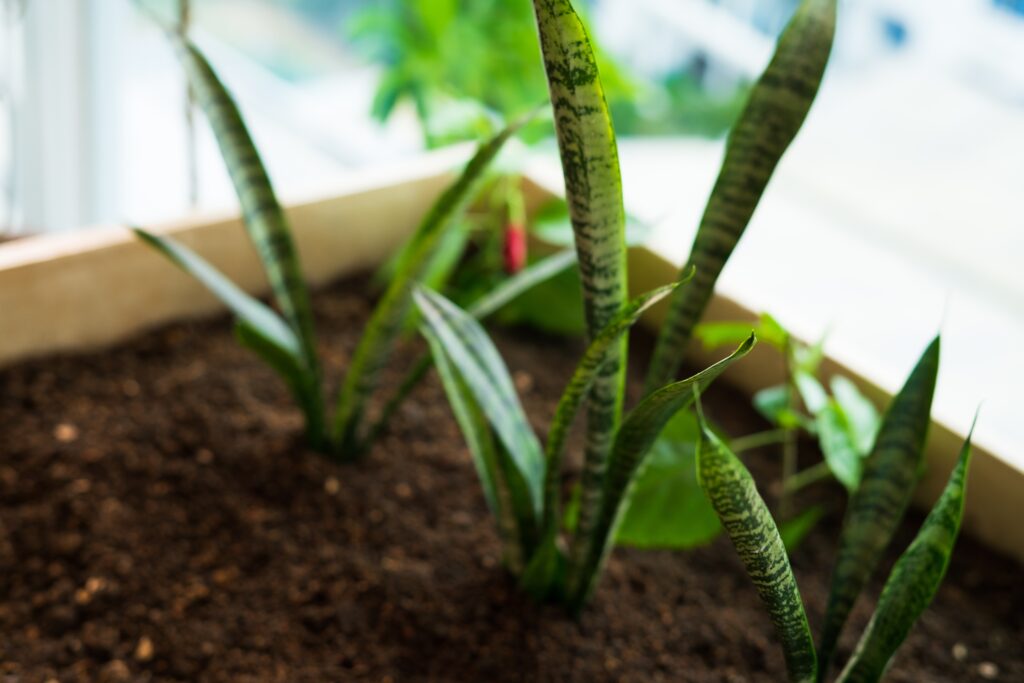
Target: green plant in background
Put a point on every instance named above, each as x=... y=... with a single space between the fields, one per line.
x=460 y=62
x=842 y=419
x=874 y=513
x=287 y=342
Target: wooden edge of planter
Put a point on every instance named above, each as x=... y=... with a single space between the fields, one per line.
x=995 y=487
x=97 y=286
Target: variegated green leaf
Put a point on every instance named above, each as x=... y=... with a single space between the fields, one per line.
x=511 y=287
x=749 y=524
x=632 y=444
x=470 y=350
x=482 y=448
x=386 y=322
x=264 y=220
x=914 y=580
x=593 y=186
x=507 y=290
x=259 y=328
x=581 y=381
x=774 y=113
x=878 y=505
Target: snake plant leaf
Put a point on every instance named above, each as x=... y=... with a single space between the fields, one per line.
x=579 y=384
x=749 y=524
x=479 y=439
x=514 y=286
x=259 y=328
x=914 y=579
x=470 y=350
x=878 y=505
x=507 y=290
x=593 y=186
x=633 y=442
x=385 y=324
x=771 y=118
x=264 y=219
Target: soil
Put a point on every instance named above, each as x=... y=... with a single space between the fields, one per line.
x=160 y=520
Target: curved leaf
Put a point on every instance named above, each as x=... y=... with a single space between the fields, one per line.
x=259 y=328
x=749 y=524
x=264 y=220
x=632 y=444
x=507 y=290
x=385 y=325
x=472 y=353
x=593 y=186
x=914 y=579
x=774 y=113
x=486 y=456
x=878 y=505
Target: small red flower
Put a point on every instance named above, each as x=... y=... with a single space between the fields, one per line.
x=514 y=248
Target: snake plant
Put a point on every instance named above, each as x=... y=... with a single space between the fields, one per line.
x=287 y=341
x=875 y=510
x=507 y=453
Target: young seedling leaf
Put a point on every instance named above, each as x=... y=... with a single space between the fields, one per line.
x=632 y=444
x=264 y=220
x=666 y=508
x=593 y=186
x=259 y=328
x=580 y=383
x=861 y=414
x=774 y=113
x=914 y=580
x=878 y=505
x=386 y=322
x=749 y=524
x=471 y=352
x=837 y=445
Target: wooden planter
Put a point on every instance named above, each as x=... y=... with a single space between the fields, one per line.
x=91 y=288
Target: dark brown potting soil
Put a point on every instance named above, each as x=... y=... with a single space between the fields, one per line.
x=161 y=520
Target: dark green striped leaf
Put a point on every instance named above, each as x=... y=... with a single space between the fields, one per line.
x=774 y=112
x=914 y=580
x=878 y=505
x=259 y=328
x=632 y=444
x=471 y=351
x=749 y=524
x=593 y=186
x=581 y=381
x=386 y=323
x=264 y=220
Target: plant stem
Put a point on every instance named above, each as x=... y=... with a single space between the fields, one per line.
x=811 y=475
x=789 y=455
x=758 y=439
x=184 y=21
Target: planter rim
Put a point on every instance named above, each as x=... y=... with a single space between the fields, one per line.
x=99 y=286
